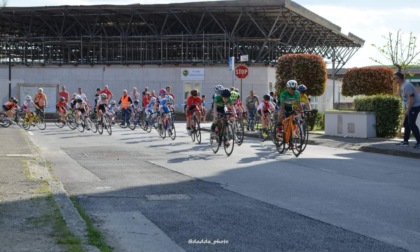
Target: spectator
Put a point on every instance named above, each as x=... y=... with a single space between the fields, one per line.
x=125 y=103
x=203 y=109
x=251 y=107
x=81 y=94
x=146 y=89
x=135 y=96
x=411 y=102
x=153 y=94
x=146 y=99
x=64 y=93
x=41 y=100
x=107 y=92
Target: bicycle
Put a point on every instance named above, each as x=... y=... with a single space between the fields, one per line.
x=35 y=119
x=17 y=119
x=104 y=122
x=167 y=125
x=58 y=120
x=195 y=128
x=151 y=122
x=294 y=133
x=223 y=133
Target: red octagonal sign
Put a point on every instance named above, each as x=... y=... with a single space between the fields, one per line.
x=241 y=71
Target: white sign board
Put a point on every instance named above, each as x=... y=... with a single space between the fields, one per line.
x=192 y=74
x=244 y=58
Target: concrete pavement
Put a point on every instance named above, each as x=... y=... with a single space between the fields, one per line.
x=15 y=147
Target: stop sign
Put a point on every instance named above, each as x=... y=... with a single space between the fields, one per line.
x=241 y=71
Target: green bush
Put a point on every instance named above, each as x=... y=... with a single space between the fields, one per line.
x=320 y=121
x=387 y=110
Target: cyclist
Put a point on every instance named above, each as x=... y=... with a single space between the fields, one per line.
x=221 y=103
x=234 y=95
x=264 y=109
x=287 y=99
x=304 y=99
x=150 y=108
x=62 y=107
x=165 y=100
x=194 y=103
x=111 y=111
x=81 y=108
x=135 y=109
x=10 y=106
x=101 y=105
x=28 y=106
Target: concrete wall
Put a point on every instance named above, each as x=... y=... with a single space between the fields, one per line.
x=127 y=77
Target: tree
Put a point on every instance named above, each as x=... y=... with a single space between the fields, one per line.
x=3 y=3
x=400 y=54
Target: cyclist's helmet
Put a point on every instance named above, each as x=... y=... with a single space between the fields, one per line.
x=136 y=102
x=218 y=87
x=302 y=88
x=234 y=95
x=104 y=96
x=194 y=92
x=14 y=100
x=162 y=92
x=266 y=97
x=28 y=98
x=153 y=99
x=79 y=100
x=292 y=84
x=225 y=93
x=62 y=99
x=113 y=102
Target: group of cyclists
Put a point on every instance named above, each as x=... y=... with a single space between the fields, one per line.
x=225 y=100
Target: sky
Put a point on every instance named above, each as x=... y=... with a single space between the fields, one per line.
x=368 y=19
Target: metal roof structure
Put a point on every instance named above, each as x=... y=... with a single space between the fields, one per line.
x=182 y=33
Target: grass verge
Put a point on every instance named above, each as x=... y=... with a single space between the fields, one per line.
x=95 y=237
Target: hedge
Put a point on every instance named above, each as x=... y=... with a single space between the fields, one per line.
x=368 y=81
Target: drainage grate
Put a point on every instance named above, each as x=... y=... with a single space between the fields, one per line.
x=157 y=197
x=113 y=154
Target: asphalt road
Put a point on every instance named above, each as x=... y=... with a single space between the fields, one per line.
x=147 y=193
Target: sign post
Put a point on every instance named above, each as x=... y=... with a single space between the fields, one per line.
x=241 y=71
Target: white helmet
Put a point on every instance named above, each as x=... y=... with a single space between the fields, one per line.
x=104 y=96
x=28 y=98
x=291 y=84
x=113 y=102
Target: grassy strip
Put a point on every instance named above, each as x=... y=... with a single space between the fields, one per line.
x=95 y=237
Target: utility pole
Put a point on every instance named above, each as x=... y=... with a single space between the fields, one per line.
x=333 y=76
x=10 y=71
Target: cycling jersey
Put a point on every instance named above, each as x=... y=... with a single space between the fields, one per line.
x=266 y=106
x=193 y=103
x=289 y=99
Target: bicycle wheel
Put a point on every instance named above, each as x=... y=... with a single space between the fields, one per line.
x=171 y=129
x=19 y=118
x=305 y=134
x=90 y=125
x=80 y=125
x=215 y=139
x=296 y=140
x=26 y=123
x=278 y=139
x=58 y=122
x=148 y=126
x=239 y=132
x=71 y=121
x=161 y=130
x=197 y=130
x=193 y=129
x=132 y=123
x=4 y=121
x=40 y=123
x=229 y=139
x=108 y=125
x=100 y=125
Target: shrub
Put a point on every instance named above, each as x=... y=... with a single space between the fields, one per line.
x=308 y=69
x=368 y=81
x=387 y=110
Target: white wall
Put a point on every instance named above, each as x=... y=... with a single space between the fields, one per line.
x=127 y=77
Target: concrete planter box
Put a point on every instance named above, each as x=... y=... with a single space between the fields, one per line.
x=358 y=124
